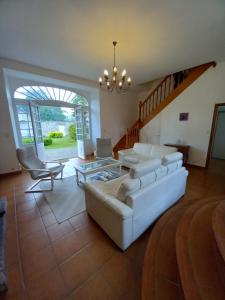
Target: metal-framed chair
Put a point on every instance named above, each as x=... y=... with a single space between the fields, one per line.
x=38 y=169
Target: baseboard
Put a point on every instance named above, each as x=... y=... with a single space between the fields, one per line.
x=17 y=172
x=195 y=166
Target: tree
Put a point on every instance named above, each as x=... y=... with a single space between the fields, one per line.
x=80 y=100
x=48 y=113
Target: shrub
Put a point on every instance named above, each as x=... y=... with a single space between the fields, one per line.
x=55 y=134
x=47 y=141
x=72 y=132
x=27 y=140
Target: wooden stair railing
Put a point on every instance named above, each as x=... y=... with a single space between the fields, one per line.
x=164 y=93
x=132 y=135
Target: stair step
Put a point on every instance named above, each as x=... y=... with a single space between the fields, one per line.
x=161 y=278
x=201 y=266
x=218 y=224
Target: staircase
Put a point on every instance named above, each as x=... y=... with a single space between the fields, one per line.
x=185 y=256
x=167 y=90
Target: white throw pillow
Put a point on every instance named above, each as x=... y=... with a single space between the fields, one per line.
x=170 y=158
x=127 y=187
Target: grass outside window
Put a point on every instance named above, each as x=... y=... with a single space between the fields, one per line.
x=64 y=142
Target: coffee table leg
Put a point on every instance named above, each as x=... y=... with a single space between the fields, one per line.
x=84 y=177
x=77 y=177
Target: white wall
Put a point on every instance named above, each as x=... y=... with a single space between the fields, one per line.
x=8 y=161
x=198 y=100
x=111 y=113
x=12 y=74
x=118 y=112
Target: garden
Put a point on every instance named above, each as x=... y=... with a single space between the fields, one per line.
x=56 y=139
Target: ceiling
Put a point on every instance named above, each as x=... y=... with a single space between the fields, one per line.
x=155 y=37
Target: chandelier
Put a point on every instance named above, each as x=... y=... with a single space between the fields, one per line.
x=119 y=84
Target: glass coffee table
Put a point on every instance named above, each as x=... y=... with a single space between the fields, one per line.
x=95 y=166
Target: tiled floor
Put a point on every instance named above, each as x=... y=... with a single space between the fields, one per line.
x=75 y=259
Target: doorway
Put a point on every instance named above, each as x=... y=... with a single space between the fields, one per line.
x=55 y=121
x=216 y=150
x=58 y=131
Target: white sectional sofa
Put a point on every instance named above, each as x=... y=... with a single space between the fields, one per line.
x=125 y=207
x=142 y=152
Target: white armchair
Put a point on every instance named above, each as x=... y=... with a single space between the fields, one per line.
x=38 y=169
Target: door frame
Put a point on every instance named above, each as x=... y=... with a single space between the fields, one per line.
x=212 y=133
x=39 y=103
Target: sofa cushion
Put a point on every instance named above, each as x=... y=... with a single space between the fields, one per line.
x=143 y=149
x=174 y=166
x=133 y=159
x=127 y=187
x=160 y=151
x=172 y=157
x=148 y=179
x=144 y=168
x=161 y=172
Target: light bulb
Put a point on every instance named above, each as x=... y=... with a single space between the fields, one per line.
x=106 y=73
x=120 y=84
x=115 y=70
x=108 y=83
x=124 y=73
x=129 y=80
x=100 y=80
x=114 y=78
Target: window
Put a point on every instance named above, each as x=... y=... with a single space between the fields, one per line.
x=25 y=124
x=43 y=93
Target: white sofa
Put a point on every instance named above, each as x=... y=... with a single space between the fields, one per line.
x=142 y=152
x=125 y=207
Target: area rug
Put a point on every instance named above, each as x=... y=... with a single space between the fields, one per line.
x=66 y=200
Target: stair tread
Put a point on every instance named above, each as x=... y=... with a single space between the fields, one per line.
x=218 y=224
x=197 y=253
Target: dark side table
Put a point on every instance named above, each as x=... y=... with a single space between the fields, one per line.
x=181 y=148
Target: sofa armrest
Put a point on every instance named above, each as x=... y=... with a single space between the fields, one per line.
x=109 y=201
x=126 y=151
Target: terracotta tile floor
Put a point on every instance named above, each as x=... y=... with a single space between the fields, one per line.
x=75 y=259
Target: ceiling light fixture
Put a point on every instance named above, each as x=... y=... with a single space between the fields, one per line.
x=120 y=85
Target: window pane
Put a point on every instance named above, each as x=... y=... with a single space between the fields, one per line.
x=27 y=140
x=22 y=108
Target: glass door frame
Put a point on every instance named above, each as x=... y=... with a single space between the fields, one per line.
x=39 y=103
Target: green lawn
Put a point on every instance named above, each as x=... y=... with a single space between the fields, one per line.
x=64 y=142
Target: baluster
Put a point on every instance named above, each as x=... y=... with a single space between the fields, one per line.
x=154 y=95
x=163 y=90
x=160 y=94
x=140 y=110
x=170 y=83
x=145 y=109
x=166 y=91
